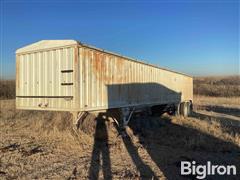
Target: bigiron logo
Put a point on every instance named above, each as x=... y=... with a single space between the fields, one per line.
x=201 y=171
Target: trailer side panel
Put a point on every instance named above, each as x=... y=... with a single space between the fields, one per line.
x=110 y=81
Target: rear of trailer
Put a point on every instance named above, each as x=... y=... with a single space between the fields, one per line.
x=66 y=75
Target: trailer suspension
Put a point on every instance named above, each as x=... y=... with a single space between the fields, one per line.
x=78 y=117
x=126 y=116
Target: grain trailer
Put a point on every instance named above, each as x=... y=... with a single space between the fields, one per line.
x=67 y=75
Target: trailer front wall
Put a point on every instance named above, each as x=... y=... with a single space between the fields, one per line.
x=109 y=81
x=43 y=79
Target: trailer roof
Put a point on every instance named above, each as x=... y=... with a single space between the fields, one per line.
x=46 y=44
x=50 y=44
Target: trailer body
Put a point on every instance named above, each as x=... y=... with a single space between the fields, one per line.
x=67 y=75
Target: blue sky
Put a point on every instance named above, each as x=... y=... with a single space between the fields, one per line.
x=194 y=37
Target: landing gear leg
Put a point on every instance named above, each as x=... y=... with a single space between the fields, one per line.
x=77 y=117
x=126 y=117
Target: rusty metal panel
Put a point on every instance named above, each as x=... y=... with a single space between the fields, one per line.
x=70 y=76
x=111 y=81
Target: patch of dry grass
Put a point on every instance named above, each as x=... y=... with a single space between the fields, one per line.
x=211 y=127
x=223 y=86
x=217 y=101
x=7 y=89
x=41 y=124
x=219 y=116
x=38 y=144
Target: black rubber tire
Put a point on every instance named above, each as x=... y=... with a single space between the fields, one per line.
x=185 y=109
x=177 y=112
x=189 y=105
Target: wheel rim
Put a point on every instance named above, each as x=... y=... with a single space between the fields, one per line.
x=185 y=110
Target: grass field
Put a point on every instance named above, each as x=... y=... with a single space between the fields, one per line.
x=226 y=86
x=7 y=89
x=220 y=86
x=43 y=145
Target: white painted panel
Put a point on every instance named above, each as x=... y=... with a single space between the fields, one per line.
x=41 y=77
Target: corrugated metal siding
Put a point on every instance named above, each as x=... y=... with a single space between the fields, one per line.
x=110 y=81
x=100 y=80
x=39 y=75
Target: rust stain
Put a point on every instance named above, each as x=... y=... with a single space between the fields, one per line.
x=76 y=75
x=99 y=66
x=84 y=56
x=76 y=55
x=76 y=63
x=90 y=55
x=119 y=62
x=101 y=70
x=89 y=58
x=120 y=67
x=95 y=63
x=84 y=62
x=108 y=69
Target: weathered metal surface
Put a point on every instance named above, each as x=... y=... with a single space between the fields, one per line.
x=110 y=81
x=46 y=45
x=100 y=79
x=41 y=75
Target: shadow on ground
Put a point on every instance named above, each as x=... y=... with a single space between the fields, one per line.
x=221 y=109
x=167 y=144
x=100 y=150
x=229 y=123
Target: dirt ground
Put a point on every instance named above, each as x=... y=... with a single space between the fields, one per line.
x=43 y=145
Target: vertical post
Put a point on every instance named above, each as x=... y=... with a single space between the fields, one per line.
x=75 y=118
x=126 y=116
x=17 y=79
x=125 y=113
x=76 y=74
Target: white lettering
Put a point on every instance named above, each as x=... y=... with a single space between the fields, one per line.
x=202 y=171
x=185 y=168
x=193 y=167
x=234 y=170
x=209 y=167
x=213 y=169
x=221 y=170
